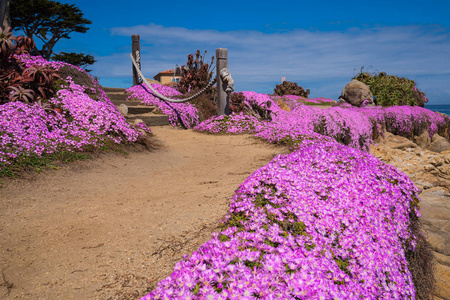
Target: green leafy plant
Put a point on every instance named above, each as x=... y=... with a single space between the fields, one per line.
x=289 y=88
x=391 y=90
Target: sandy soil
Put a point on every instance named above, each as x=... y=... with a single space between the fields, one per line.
x=112 y=227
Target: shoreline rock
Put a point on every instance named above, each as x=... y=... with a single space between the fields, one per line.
x=430 y=171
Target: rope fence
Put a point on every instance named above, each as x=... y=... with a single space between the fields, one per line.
x=162 y=97
x=225 y=83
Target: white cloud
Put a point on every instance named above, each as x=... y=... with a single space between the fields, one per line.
x=326 y=60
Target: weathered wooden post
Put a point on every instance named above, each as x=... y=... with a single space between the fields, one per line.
x=223 y=99
x=136 y=51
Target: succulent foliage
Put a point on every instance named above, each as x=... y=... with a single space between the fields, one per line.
x=17 y=81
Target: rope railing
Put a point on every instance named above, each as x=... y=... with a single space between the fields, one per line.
x=162 y=97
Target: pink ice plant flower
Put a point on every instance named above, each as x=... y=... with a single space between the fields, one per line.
x=234 y=124
x=293 y=101
x=180 y=114
x=28 y=129
x=325 y=222
x=349 y=125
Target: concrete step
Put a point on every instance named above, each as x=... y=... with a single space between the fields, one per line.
x=113 y=90
x=126 y=102
x=150 y=119
x=117 y=96
x=140 y=109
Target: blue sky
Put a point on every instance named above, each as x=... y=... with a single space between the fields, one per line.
x=320 y=45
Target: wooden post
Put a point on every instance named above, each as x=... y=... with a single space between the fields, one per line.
x=223 y=99
x=136 y=51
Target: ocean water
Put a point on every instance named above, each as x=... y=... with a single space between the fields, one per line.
x=442 y=108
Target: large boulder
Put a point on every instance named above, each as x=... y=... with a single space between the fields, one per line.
x=423 y=140
x=357 y=94
x=439 y=144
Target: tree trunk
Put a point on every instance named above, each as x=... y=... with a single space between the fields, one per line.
x=4 y=14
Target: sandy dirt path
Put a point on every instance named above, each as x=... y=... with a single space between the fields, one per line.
x=112 y=227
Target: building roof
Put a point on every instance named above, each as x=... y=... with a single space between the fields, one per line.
x=167 y=72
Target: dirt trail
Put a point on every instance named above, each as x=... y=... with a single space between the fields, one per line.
x=111 y=227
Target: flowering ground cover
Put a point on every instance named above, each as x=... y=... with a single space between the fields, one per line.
x=324 y=222
x=356 y=127
x=234 y=123
x=327 y=221
x=34 y=130
x=294 y=101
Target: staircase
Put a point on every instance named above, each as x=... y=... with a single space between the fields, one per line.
x=133 y=110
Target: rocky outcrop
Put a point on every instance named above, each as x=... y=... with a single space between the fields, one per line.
x=430 y=171
x=423 y=140
x=357 y=94
x=439 y=144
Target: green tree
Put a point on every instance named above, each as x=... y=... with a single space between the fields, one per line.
x=47 y=20
x=77 y=59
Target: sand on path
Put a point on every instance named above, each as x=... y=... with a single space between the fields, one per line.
x=113 y=226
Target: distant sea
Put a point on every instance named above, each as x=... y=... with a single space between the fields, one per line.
x=442 y=108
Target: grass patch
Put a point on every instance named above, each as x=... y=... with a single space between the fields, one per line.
x=26 y=163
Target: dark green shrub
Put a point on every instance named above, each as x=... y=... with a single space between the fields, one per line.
x=289 y=88
x=390 y=90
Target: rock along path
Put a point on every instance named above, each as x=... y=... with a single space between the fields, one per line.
x=112 y=227
x=430 y=171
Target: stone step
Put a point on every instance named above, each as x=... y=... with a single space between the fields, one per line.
x=126 y=102
x=117 y=96
x=113 y=90
x=140 y=109
x=150 y=119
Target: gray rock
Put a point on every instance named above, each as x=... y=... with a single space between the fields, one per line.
x=397 y=142
x=439 y=241
x=123 y=109
x=439 y=144
x=423 y=140
x=442 y=290
x=442 y=259
x=434 y=137
x=355 y=92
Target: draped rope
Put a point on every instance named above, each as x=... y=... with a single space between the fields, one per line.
x=162 y=97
